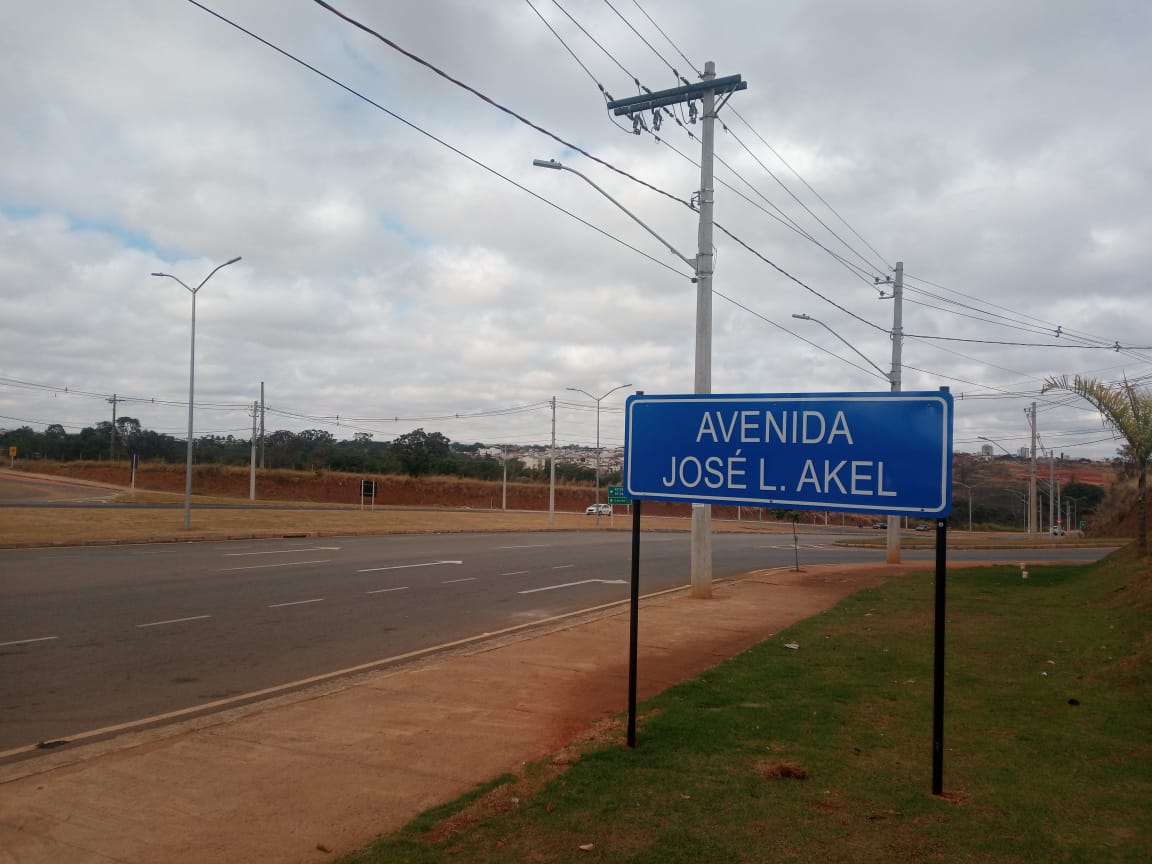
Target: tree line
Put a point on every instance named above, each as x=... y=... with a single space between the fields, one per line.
x=416 y=453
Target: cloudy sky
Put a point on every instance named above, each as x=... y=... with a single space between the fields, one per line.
x=405 y=266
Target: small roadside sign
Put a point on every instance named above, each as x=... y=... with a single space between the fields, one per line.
x=617 y=497
x=12 y=452
x=368 y=490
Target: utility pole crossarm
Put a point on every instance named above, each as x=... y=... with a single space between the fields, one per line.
x=675 y=95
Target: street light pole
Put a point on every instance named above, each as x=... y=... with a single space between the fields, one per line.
x=192 y=386
x=598 y=401
x=893 y=556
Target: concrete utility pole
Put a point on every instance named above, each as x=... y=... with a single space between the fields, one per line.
x=552 y=471
x=252 y=461
x=261 y=425
x=113 y=401
x=701 y=570
x=1033 y=501
x=504 y=485
x=893 y=554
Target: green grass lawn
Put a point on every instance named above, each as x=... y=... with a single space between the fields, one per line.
x=1048 y=742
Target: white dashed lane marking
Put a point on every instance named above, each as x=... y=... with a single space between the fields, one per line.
x=573 y=584
x=285 y=551
x=407 y=566
x=296 y=603
x=174 y=621
x=28 y=641
x=263 y=566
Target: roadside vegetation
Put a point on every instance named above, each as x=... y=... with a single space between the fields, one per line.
x=1127 y=409
x=815 y=745
x=416 y=454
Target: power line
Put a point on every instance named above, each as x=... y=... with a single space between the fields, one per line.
x=663 y=59
x=1050 y=327
x=692 y=66
x=439 y=141
x=866 y=275
x=544 y=131
x=603 y=90
x=807 y=209
x=782 y=185
x=818 y=347
x=1115 y=347
x=541 y=129
x=416 y=58
x=799 y=282
x=784 y=219
x=808 y=186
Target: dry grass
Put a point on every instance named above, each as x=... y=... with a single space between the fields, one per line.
x=72 y=526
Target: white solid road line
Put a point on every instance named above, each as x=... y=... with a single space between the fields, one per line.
x=515 y=573
x=26 y=641
x=286 y=551
x=386 y=590
x=563 y=566
x=454 y=581
x=174 y=621
x=572 y=584
x=285 y=564
x=406 y=566
x=296 y=603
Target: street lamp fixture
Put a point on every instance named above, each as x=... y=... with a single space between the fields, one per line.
x=192 y=386
x=998 y=444
x=887 y=376
x=598 y=400
x=558 y=166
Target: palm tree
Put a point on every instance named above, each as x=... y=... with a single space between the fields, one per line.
x=1129 y=411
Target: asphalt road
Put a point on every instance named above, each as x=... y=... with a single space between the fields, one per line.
x=93 y=637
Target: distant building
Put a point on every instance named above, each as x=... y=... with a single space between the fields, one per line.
x=987 y=450
x=1025 y=452
x=532 y=461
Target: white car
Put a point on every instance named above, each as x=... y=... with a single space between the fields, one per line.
x=599 y=510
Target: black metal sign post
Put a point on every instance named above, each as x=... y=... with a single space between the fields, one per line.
x=938 y=660
x=633 y=624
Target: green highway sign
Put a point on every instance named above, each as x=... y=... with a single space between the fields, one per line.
x=616 y=496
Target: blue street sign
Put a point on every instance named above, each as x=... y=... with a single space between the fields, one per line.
x=864 y=452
